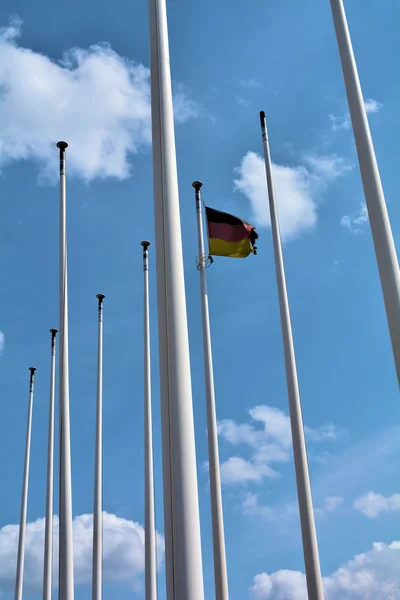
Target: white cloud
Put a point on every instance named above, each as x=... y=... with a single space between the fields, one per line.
x=276 y=423
x=185 y=107
x=325 y=169
x=354 y=223
x=268 y=444
x=374 y=575
x=297 y=210
x=2 y=340
x=237 y=470
x=354 y=464
x=123 y=552
x=282 y=585
x=296 y=190
x=236 y=434
x=373 y=106
x=344 y=122
x=372 y=505
x=96 y=100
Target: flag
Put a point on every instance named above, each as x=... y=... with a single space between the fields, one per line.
x=229 y=235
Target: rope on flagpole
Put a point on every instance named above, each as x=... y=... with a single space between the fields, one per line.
x=204 y=260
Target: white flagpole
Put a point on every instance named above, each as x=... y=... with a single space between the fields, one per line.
x=161 y=303
x=310 y=545
x=19 y=580
x=66 y=564
x=181 y=509
x=217 y=518
x=97 y=570
x=48 y=533
x=385 y=250
x=150 y=532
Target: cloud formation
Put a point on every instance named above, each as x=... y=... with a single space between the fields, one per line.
x=296 y=188
x=123 y=552
x=344 y=122
x=96 y=100
x=356 y=222
x=373 y=106
x=270 y=443
x=372 y=505
x=237 y=470
x=373 y=575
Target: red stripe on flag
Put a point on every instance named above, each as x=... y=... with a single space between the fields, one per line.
x=229 y=233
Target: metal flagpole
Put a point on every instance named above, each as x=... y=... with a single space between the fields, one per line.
x=220 y=571
x=48 y=533
x=181 y=509
x=97 y=571
x=385 y=250
x=162 y=304
x=66 y=566
x=150 y=532
x=310 y=545
x=19 y=580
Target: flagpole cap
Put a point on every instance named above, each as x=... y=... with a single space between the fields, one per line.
x=145 y=244
x=32 y=370
x=62 y=145
x=54 y=331
x=100 y=296
x=197 y=185
x=262 y=116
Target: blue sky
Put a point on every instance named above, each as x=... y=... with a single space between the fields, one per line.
x=59 y=81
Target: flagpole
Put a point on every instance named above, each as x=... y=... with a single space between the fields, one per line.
x=66 y=566
x=19 y=579
x=217 y=518
x=150 y=533
x=97 y=570
x=181 y=509
x=310 y=545
x=48 y=533
x=161 y=300
x=385 y=250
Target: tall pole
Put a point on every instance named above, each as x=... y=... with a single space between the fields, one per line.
x=181 y=509
x=149 y=519
x=66 y=566
x=217 y=518
x=385 y=250
x=97 y=570
x=48 y=533
x=310 y=545
x=19 y=580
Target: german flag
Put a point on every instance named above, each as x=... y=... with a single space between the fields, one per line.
x=229 y=235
